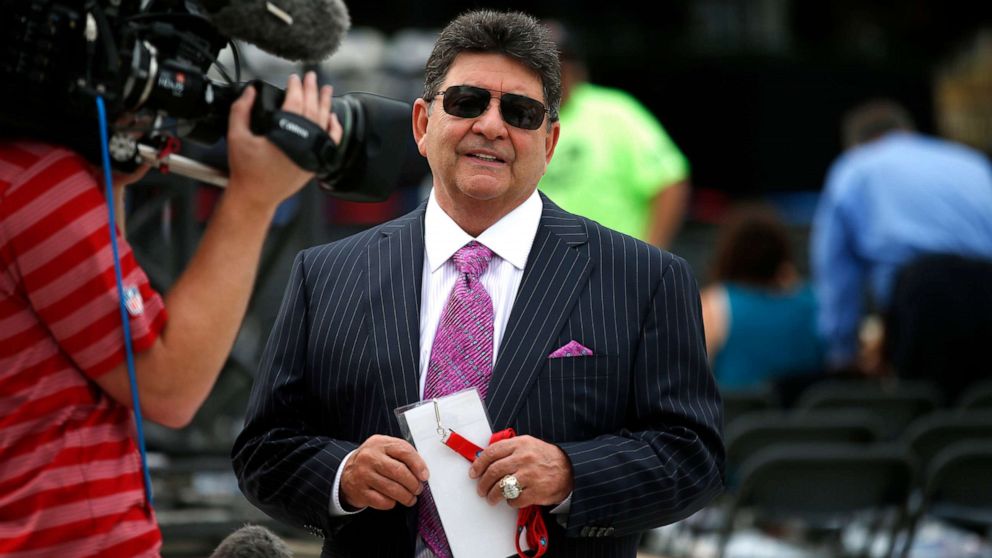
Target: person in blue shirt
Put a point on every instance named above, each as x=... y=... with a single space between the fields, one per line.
x=759 y=316
x=893 y=196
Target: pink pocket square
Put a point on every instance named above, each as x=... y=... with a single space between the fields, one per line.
x=572 y=349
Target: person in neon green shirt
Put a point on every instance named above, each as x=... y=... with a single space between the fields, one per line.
x=614 y=163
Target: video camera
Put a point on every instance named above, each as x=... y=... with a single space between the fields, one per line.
x=151 y=60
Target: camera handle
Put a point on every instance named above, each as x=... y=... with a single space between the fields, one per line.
x=364 y=167
x=303 y=141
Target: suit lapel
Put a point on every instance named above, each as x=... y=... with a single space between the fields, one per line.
x=557 y=271
x=396 y=262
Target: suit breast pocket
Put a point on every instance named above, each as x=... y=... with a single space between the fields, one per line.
x=577 y=398
x=582 y=366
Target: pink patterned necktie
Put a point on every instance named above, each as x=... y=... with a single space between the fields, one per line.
x=461 y=358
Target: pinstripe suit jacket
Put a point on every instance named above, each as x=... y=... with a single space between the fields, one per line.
x=640 y=420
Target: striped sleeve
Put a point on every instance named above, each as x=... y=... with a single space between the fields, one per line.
x=55 y=244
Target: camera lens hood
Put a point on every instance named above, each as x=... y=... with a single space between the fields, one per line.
x=367 y=164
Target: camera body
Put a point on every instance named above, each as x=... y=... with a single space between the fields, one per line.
x=57 y=56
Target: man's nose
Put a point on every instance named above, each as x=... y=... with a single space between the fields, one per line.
x=490 y=123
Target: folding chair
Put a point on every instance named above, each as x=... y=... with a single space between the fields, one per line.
x=896 y=404
x=824 y=485
x=977 y=396
x=754 y=432
x=957 y=487
x=737 y=403
x=928 y=435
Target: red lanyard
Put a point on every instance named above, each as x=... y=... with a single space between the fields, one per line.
x=528 y=519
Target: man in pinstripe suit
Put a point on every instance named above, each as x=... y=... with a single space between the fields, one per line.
x=622 y=437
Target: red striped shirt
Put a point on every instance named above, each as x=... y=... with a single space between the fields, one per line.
x=70 y=473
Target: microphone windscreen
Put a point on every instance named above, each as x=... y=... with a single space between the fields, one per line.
x=305 y=30
x=252 y=541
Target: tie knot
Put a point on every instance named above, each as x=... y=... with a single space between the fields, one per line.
x=472 y=259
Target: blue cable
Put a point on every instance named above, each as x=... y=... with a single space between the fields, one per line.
x=125 y=321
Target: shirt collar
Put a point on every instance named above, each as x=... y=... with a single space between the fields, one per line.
x=509 y=238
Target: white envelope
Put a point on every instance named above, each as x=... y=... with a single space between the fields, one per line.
x=473 y=527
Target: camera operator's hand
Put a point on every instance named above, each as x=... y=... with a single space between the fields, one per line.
x=260 y=171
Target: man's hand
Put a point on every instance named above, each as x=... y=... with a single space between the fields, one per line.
x=383 y=471
x=260 y=171
x=542 y=469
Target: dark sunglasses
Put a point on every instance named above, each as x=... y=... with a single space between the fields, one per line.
x=466 y=101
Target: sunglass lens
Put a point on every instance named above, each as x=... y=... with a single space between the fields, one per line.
x=522 y=112
x=465 y=102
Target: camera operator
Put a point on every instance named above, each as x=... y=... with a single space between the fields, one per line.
x=71 y=480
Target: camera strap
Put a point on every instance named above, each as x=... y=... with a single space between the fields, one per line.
x=301 y=140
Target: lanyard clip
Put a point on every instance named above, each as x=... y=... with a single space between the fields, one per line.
x=441 y=430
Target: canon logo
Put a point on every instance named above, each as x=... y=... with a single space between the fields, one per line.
x=293 y=128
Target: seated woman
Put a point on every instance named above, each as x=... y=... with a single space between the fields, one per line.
x=758 y=315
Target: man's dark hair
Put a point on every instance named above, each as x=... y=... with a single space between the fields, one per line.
x=872 y=120
x=752 y=247
x=512 y=34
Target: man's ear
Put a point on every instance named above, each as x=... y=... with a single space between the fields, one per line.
x=421 y=110
x=551 y=141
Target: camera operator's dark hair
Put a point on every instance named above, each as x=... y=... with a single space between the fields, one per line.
x=513 y=34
